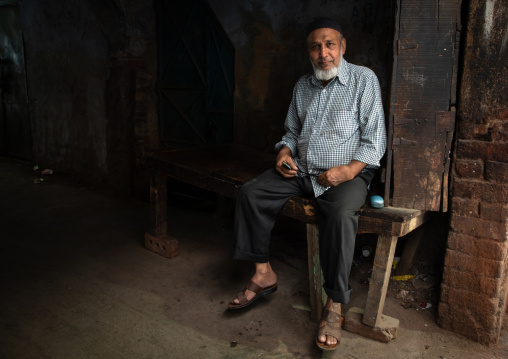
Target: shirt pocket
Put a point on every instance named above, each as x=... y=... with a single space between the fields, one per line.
x=341 y=125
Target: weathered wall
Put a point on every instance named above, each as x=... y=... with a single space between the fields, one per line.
x=271 y=54
x=474 y=289
x=91 y=70
x=86 y=61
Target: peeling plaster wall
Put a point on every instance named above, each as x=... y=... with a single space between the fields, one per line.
x=78 y=83
x=269 y=40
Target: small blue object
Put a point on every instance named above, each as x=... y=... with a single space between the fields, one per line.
x=377 y=202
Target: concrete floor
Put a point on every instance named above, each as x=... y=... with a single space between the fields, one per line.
x=77 y=283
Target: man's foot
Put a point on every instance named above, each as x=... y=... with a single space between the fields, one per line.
x=258 y=292
x=329 y=332
x=265 y=281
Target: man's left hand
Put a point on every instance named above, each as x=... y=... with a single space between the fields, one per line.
x=340 y=174
x=335 y=176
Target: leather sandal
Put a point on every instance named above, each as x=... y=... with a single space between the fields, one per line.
x=260 y=291
x=332 y=327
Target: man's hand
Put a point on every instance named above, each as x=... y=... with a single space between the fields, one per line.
x=285 y=156
x=340 y=174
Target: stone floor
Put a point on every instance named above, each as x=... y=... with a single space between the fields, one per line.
x=77 y=282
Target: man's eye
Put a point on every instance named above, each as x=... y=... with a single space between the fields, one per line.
x=331 y=45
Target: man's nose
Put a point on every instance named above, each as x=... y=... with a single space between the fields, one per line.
x=322 y=52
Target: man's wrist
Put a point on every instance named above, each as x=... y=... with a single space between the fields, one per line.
x=356 y=167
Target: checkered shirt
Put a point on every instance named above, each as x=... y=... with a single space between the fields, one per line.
x=333 y=125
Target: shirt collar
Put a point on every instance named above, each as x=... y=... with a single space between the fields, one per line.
x=342 y=76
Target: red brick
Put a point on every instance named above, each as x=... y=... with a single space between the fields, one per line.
x=480 y=247
x=488 y=151
x=494 y=128
x=497 y=171
x=465 y=207
x=489 y=249
x=483 y=309
x=479 y=227
x=471 y=315
x=494 y=211
x=445 y=291
x=469 y=168
x=471 y=263
x=498 y=126
x=499 y=132
x=481 y=190
x=473 y=282
x=474 y=131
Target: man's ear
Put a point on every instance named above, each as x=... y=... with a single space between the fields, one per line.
x=343 y=45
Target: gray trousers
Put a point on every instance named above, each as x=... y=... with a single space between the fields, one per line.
x=259 y=202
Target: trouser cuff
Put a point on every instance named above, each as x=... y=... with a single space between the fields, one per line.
x=246 y=256
x=339 y=296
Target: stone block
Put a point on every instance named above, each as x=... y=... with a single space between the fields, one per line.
x=478 y=227
x=465 y=207
x=386 y=331
x=481 y=190
x=469 y=263
x=482 y=248
x=494 y=211
x=469 y=168
x=487 y=151
x=499 y=130
x=166 y=246
x=496 y=171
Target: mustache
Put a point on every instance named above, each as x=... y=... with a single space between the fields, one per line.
x=325 y=75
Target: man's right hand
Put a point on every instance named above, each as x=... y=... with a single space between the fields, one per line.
x=285 y=156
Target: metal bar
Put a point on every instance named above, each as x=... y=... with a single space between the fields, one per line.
x=9 y=2
x=184 y=116
x=223 y=68
x=180 y=34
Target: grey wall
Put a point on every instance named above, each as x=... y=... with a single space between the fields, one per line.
x=269 y=39
x=84 y=61
x=91 y=72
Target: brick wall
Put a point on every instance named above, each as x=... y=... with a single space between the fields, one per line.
x=474 y=290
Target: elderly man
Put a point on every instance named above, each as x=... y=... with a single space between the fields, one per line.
x=335 y=138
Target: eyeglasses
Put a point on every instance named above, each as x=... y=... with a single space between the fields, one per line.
x=285 y=164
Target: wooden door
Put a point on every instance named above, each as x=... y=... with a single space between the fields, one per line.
x=422 y=113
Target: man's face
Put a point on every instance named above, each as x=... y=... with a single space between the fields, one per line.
x=324 y=47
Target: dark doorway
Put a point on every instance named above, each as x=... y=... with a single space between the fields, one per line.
x=195 y=75
x=15 y=134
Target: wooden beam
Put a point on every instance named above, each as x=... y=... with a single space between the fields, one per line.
x=378 y=283
x=315 y=273
x=158 y=204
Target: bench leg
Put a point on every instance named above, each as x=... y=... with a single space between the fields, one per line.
x=370 y=322
x=157 y=240
x=317 y=298
x=379 y=279
x=158 y=204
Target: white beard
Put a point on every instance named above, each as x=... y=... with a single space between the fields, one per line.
x=325 y=75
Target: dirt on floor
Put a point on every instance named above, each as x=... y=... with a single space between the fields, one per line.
x=77 y=282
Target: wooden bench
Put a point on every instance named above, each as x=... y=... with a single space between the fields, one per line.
x=223 y=170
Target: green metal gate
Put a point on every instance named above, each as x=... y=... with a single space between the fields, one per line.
x=195 y=75
x=15 y=132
